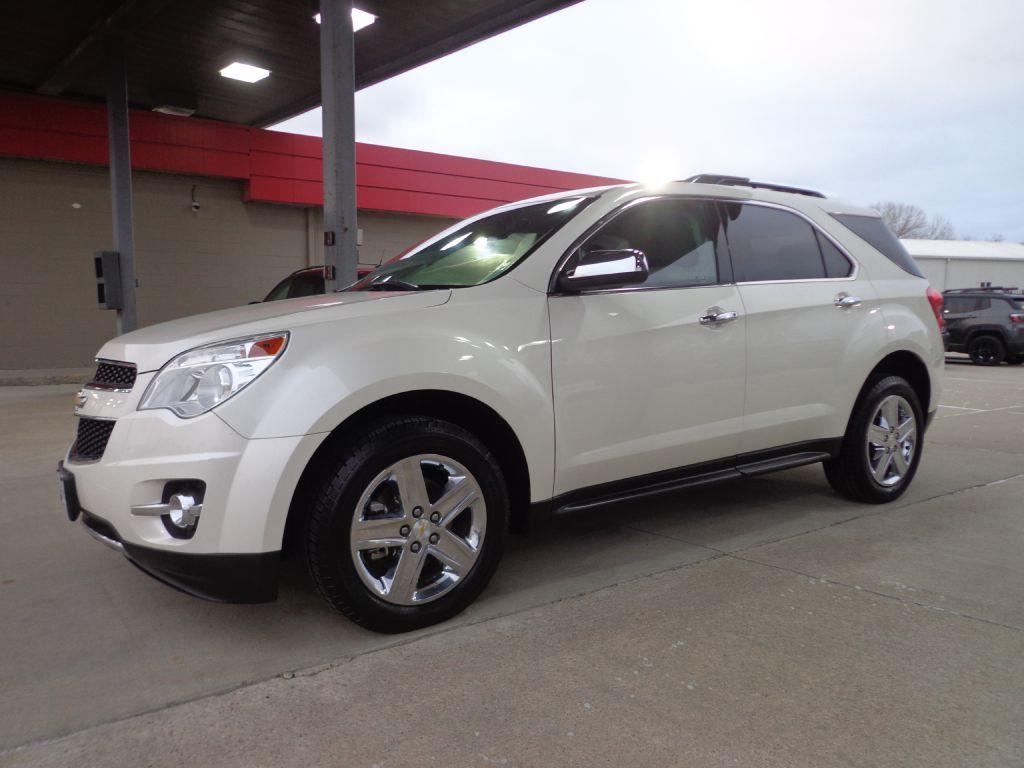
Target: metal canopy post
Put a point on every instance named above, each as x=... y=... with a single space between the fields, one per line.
x=337 y=95
x=121 y=181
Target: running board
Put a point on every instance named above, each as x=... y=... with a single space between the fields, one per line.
x=710 y=476
x=651 y=490
x=782 y=462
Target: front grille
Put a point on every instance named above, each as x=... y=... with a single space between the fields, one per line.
x=110 y=375
x=91 y=440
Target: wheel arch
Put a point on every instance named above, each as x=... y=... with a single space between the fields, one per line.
x=986 y=330
x=471 y=414
x=907 y=365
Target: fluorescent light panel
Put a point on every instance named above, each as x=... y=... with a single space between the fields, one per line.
x=360 y=19
x=247 y=73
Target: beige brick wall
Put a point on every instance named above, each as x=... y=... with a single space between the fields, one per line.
x=54 y=216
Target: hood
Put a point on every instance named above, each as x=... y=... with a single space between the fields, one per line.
x=151 y=347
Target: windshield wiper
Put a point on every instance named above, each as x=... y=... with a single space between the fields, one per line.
x=393 y=285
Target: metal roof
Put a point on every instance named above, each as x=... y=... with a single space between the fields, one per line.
x=176 y=49
x=964 y=249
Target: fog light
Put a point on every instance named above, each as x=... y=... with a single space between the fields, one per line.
x=183 y=511
x=180 y=512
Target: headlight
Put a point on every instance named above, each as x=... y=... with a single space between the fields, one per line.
x=203 y=378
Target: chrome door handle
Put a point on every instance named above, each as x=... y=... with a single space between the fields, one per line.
x=846 y=301
x=717 y=316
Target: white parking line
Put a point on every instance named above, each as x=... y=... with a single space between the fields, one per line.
x=987 y=381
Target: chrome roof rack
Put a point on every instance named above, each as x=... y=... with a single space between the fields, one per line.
x=743 y=181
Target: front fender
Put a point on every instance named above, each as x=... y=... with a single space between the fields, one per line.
x=490 y=343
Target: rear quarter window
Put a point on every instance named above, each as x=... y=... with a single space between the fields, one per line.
x=873 y=230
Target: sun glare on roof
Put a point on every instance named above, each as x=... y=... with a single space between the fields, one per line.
x=360 y=19
x=247 y=73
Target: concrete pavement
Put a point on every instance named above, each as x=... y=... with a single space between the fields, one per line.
x=766 y=622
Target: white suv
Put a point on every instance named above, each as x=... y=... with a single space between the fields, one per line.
x=540 y=358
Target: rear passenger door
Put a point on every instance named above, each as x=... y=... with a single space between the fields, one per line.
x=805 y=305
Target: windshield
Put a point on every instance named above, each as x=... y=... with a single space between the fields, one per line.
x=474 y=251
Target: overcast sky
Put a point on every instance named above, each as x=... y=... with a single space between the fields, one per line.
x=918 y=101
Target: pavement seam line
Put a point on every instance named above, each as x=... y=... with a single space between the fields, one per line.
x=738 y=555
x=876 y=593
x=316 y=669
x=879 y=510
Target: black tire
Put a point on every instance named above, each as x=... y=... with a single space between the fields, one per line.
x=986 y=349
x=849 y=473
x=328 y=530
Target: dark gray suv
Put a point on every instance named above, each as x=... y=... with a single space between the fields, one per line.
x=986 y=323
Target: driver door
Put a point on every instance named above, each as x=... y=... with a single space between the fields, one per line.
x=643 y=381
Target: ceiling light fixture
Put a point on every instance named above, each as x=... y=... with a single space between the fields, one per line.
x=360 y=19
x=247 y=73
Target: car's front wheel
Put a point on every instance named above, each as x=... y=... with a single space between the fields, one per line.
x=408 y=526
x=882 y=446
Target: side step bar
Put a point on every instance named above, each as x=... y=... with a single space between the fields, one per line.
x=748 y=469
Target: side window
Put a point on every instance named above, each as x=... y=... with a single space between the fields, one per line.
x=677 y=235
x=307 y=284
x=956 y=305
x=769 y=244
x=982 y=304
x=836 y=265
x=873 y=230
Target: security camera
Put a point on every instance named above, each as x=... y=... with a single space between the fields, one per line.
x=195 y=206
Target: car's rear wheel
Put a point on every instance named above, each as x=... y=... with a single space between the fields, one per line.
x=986 y=350
x=408 y=526
x=882 y=446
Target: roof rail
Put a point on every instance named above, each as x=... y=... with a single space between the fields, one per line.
x=743 y=181
x=985 y=289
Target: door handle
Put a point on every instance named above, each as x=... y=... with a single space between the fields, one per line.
x=846 y=301
x=717 y=316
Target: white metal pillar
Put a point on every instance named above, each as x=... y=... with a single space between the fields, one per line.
x=121 y=181
x=337 y=96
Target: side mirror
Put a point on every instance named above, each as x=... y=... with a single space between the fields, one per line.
x=603 y=269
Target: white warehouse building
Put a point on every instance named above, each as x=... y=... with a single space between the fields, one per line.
x=968 y=263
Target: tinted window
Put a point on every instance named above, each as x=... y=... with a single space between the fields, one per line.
x=302 y=284
x=836 y=265
x=769 y=244
x=955 y=305
x=678 y=237
x=874 y=231
x=960 y=304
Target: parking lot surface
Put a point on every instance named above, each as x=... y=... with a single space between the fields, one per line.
x=764 y=622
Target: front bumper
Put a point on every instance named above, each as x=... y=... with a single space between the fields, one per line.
x=249 y=483
x=230 y=578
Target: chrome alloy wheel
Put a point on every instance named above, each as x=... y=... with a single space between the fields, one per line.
x=891 y=440
x=418 y=529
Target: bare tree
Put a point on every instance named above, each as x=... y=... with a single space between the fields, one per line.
x=907 y=220
x=939 y=228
